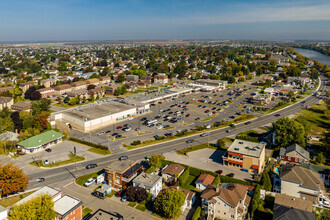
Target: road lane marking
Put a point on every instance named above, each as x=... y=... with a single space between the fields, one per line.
x=77 y=193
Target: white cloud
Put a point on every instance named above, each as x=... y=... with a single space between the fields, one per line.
x=275 y=14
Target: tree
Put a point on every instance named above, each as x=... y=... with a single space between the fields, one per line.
x=154 y=161
x=67 y=99
x=6 y=124
x=12 y=179
x=216 y=181
x=130 y=193
x=41 y=121
x=42 y=105
x=91 y=86
x=39 y=207
x=221 y=143
x=197 y=213
x=169 y=202
x=255 y=202
x=266 y=182
x=289 y=131
x=320 y=158
x=121 y=78
x=141 y=194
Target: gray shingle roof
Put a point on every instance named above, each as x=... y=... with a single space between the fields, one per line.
x=300 y=150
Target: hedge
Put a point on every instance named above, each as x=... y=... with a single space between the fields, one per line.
x=196 y=172
x=197 y=213
x=88 y=143
x=216 y=181
x=184 y=176
x=150 y=170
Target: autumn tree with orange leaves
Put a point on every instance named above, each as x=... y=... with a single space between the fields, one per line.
x=12 y=179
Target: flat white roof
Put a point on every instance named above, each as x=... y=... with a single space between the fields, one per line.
x=246 y=147
x=43 y=190
x=65 y=204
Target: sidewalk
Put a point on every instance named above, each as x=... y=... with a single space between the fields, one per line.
x=112 y=204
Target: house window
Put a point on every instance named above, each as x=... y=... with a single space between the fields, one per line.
x=224 y=213
x=224 y=205
x=289 y=158
x=218 y=211
x=218 y=203
x=232 y=216
x=74 y=212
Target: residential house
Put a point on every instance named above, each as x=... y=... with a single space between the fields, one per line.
x=245 y=155
x=294 y=154
x=88 y=75
x=289 y=208
x=190 y=197
x=9 y=136
x=228 y=201
x=53 y=192
x=104 y=79
x=322 y=170
x=27 y=85
x=78 y=85
x=152 y=183
x=263 y=62
x=6 y=102
x=172 y=171
x=48 y=82
x=280 y=59
x=203 y=181
x=143 y=84
x=81 y=93
x=121 y=172
x=146 y=79
x=109 y=90
x=299 y=182
x=62 y=89
x=5 y=89
x=46 y=92
x=93 y=81
x=96 y=92
x=39 y=142
x=132 y=78
x=161 y=78
x=130 y=86
x=68 y=208
x=21 y=106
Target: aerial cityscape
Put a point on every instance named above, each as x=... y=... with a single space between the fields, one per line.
x=185 y=110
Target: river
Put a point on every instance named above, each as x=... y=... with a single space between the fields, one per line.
x=314 y=55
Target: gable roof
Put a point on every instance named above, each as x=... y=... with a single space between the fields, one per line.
x=40 y=139
x=43 y=190
x=300 y=150
x=173 y=169
x=303 y=176
x=205 y=179
x=287 y=213
x=228 y=192
x=293 y=202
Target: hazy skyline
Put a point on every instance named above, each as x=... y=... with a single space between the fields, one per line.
x=43 y=20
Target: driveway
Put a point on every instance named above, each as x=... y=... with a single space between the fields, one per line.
x=112 y=205
x=207 y=159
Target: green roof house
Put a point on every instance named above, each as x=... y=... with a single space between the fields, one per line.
x=39 y=142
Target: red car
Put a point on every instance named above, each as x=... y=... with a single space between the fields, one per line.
x=219 y=172
x=187 y=115
x=199 y=100
x=184 y=106
x=207 y=111
x=119 y=127
x=159 y=102
x=120 y=193
x=213 y=113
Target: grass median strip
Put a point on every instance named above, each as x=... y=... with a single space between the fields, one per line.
x=132 y=204
x=99 y=151
x=141 y=207
x=205 y=119
x=56 y=164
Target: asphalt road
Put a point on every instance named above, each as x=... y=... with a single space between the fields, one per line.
x=58 y=175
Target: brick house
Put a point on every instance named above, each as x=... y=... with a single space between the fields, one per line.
x=104 y=79
x=27 y=85
x=46 y=92
x=161 y=78
x=79 y=85
x=68 y=208
x=62 y=89
x=96 y=92
x=93 y=81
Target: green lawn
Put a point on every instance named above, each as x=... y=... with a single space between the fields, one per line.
x=82 y=179
x=195 y=148
x=86 y=211
x=6 y=202
x=189 y=184
x=315 y=115
x=72 y=159
x=113 y=192
x=132 y=204
x=141 y=207
x=99 y=151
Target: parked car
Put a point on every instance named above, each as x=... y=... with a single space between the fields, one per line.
x=124 y=198
x=230 y=174
x=196 y=119
x=219 y=172
x=48 y=150
x=118 y=136
x=41 y=179
x=46 y=162
x=126 y=126
x=90 y=181
x=187 y=115
x=90 y=166
x=108 y=131
x=123 y=158
x=120 y=193
x=127 y=129
x=114 y=134
x=100 y=133
x=119 y=127
x=143 y=119
x=207 y=111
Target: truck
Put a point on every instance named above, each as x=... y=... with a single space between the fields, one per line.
x=102 y=192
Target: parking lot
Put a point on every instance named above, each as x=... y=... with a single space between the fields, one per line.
x=207 y=159
x=169 y=116
x=60 y=152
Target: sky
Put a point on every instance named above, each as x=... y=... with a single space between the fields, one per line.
x=85 y=20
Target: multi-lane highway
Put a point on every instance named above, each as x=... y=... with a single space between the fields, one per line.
x=58 y=175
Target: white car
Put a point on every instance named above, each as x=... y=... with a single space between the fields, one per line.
x=160 y=127
x=209 y=114
x=127 y=129
x=208 y=126
x=46 y=162
x=90 y=182
x=131 y=118
x=326 y=204
x=100 y=133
